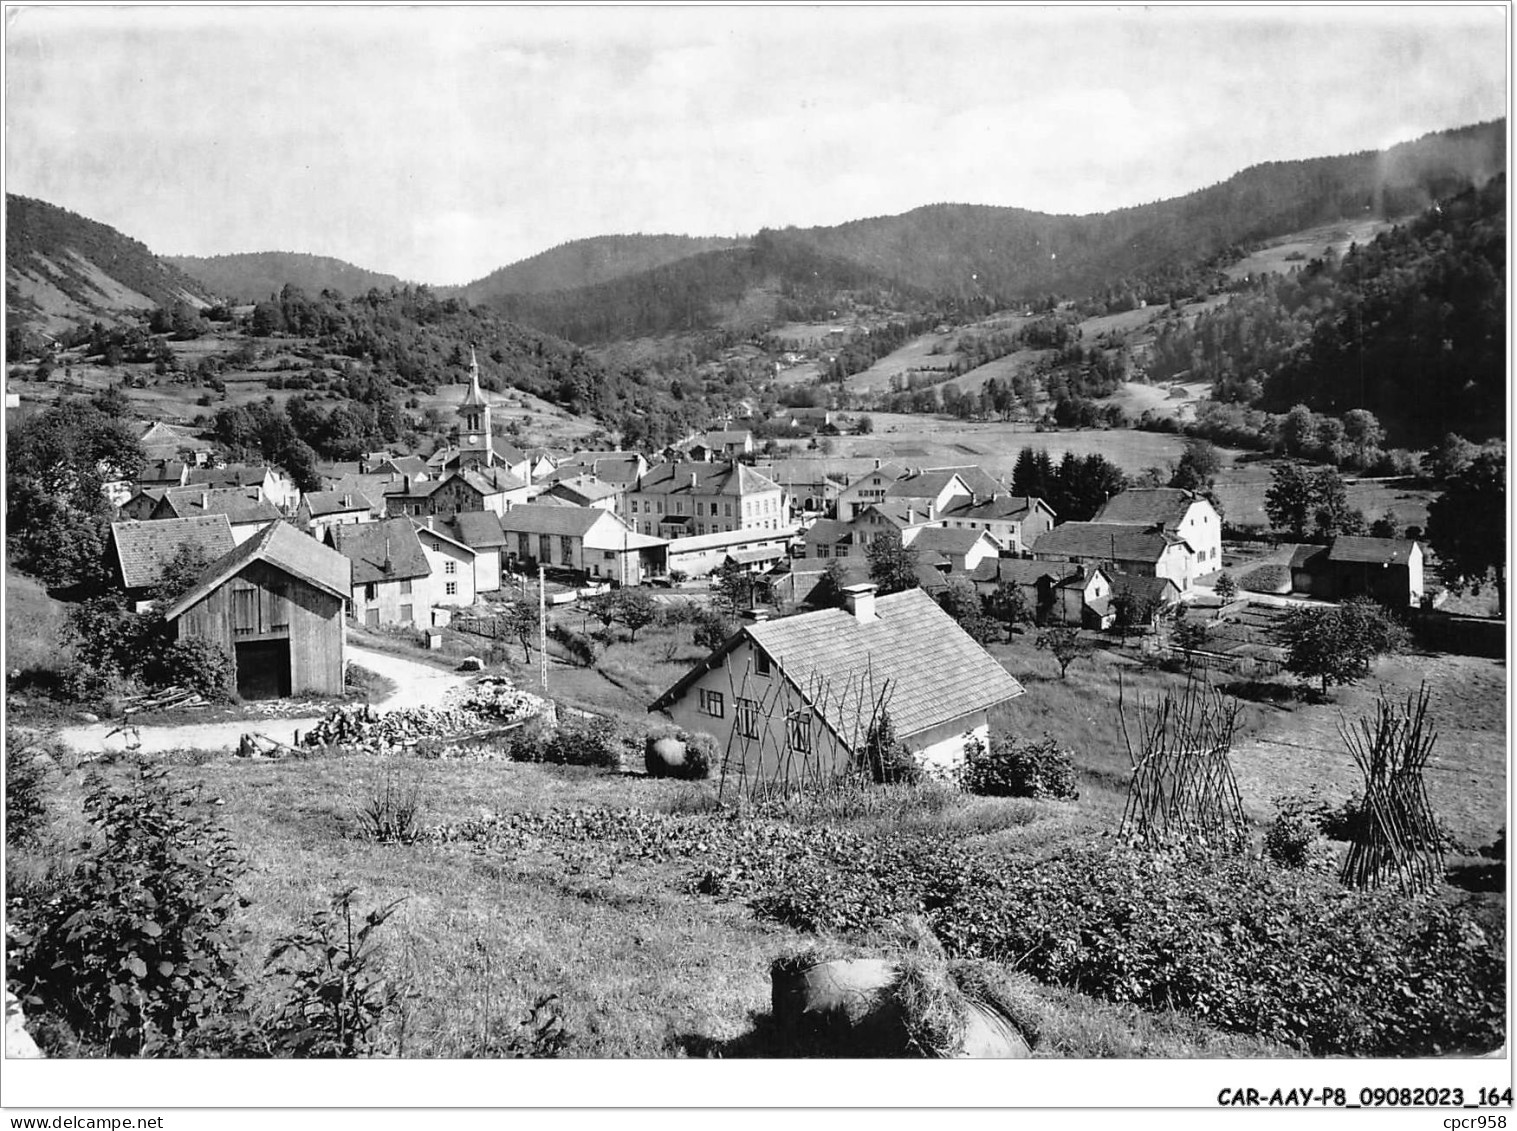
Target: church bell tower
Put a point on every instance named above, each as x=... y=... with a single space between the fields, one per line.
x=474 y=446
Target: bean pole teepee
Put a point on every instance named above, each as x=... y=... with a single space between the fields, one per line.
x=1182 y=788
x=1396 y=839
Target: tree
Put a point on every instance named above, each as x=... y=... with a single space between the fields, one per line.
x=1198 y=467
x=827 y=593
x=1288 y=501
x=1329 y=501
x=960 y=601
x=732 y=587
x=892 y=564
x=636 y=609
x=1466 y=525
x=1188 y=635
x=1008 y=604
x=1226 y=587
x=1450 y=457
x=711 y=628
x=1363 y=433
x=602 y=607
x=1133 y=610
x=1337 y=645
x=179 y=576
x=519 y=619
x=1066 y=646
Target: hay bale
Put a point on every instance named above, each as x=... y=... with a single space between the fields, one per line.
x=841 y=1007
x=664 y=757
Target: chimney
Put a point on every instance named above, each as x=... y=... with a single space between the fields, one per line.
x=876 y=465
x=205 y=499
x=347 y=501
x=859 y=600
x=693 y=478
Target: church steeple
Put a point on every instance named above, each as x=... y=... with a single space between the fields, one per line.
x=475 y=449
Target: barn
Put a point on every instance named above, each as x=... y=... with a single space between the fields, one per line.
x=275 y=603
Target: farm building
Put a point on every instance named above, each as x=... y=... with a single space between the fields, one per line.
x=586 y=491
x=797 y=697
x=319 y=510
x=621 y=468
x=585 y=540
x=1182 y=514
x=244 y=509
x=1144 y=551
x=140 y=552
x=275 y=603
x=273 y=484
x=1387 y=569
x=953 y=551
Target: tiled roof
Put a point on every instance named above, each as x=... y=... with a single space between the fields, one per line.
x=889 y=471
x=901 y=512
x=234 y=502
x=145 y=549
x=238 y=475
x=430 y=525
x=1148 y=506
x=538 y=518
x=1002 y=508
x=479 y=530
x=321 y=503
x=162 y=471
x=944 y=540
x=721 y=438
x=492 y=480
x=1015 y=571
x=1305 y=553
x=1372 y=551
x=976 y=478
x=403 y=465
x=829 y=532
x=621 y=468
x=1104 y=540
x=721 y=538
x=368 y=545
x=587 y=487
x=1144 y=588
x=709 y=479
x=925 y=485
x=284 y=547
x=913 y=652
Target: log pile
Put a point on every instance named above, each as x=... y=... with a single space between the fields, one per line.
x=169 y=698
x=498 y=698
x=366 y=731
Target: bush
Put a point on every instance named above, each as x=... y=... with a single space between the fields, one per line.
x=138 y=953
x=391 y=815
x=1031 y=768
x=202 y=666
x=1289 y=839
x=583 y=649
x=25 y=791
x=585 y=742
x=1267 y=579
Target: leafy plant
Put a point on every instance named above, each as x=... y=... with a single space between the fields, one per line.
x=542 y=1034
x=391 y=813
x=202 y=666
x=138 y=951
x=1066 y=646
x=25 y=790
x=1029 y=768
x=337 y=1005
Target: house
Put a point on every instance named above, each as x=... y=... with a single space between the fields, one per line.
x=163 y=473
x=481 y=532
x=1387 y=569
x=621 y=468
x=806 y=489
x=162 y=441
x=929 y=491
x=273 y=484
x=477 y=489
x=1145 y=551
x=275 y=603
x=321 y=509
x=584 y=540
x=141 y=505
x=868 y=489
x=452 y=566
x=700 y=554
x=396 y=466
x=247 y=513
x=1150 y=597
x=827 y=538
x=795 y=697
x=683 y=499
x=953 y=551
x=727 y=444
x=1081 y=599
x=1183 y=514
x=905 y=518
x=1014 y=521
x=375 y=488
x=586 y=491
x=139 y=552
x=391 y=580
x=794 y=583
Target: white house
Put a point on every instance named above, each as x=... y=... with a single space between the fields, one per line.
x=1183 y=514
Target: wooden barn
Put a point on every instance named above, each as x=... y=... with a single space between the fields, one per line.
x=276 y=604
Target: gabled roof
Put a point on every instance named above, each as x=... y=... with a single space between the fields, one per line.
x=1305 y=553
x=718 y=539
x=238 y=475
x=913 y=652
x=538 y=518
x=402 y=465
x=829 y=532
x=479 y=530
x=889 y=470
x=283 y=547
x=158 y=433
x=440 y=530
x=1001 y=508
x=1144 y=588
x=145 y=549
x=1105 y=540
x=900 y=512
x=234 y=502
x=732 y=436
x=946 y=540
x=369 y=545
x=491 y=480
x=708 y=478
x=162 y=471
x=372 y=487
x=1371 y=551
x=976 y=478
x=322 y=503
x=1148 y=506
x=621 y=468
x=1016 y=571
x=587 y=487
x=925 y=485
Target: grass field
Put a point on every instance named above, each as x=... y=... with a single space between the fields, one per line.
x=1242 y=487
x=1282 y=255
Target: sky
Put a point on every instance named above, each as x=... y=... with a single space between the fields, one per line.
x=438 y=144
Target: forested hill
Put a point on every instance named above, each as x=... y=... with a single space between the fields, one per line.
x=585 y=263
x=62 y=269
x=253 y=276
x=767 y=281
x=1011 y=253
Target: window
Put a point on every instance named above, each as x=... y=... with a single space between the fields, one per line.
x=405 y=587
x=798 y=729
x=712 y=703
x=450 y=567
x=745 y=714
x=761 y=663
x=607 y=555
x=405 y=614
x=700 y=507
x=700 y=528
x=451 y=589
x=370 y=591
x=244 y=611
x=823 y=552
x=566 y=548
x=729 y=510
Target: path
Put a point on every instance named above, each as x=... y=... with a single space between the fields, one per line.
x=416 y=685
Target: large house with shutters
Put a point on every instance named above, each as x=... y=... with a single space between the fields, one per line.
x=799 y=695
x=583 y=540
x=1181 y=514
x=275 y=603
x=685 y=499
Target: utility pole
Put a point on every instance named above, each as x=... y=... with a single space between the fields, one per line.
x=542 y=625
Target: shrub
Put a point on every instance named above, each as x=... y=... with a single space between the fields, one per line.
x=585 y=742
x=391 y=813
x=1226 y=587
x=25 y=791
x=1289 y=838
x=138 y=951
x=701 y=753
x=886 y=757
x=203 y=666
x=1030 y=768
x=583 y=649
x=1270 y=578
x=337 y=1005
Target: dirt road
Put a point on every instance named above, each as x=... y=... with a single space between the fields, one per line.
x=416 y=685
